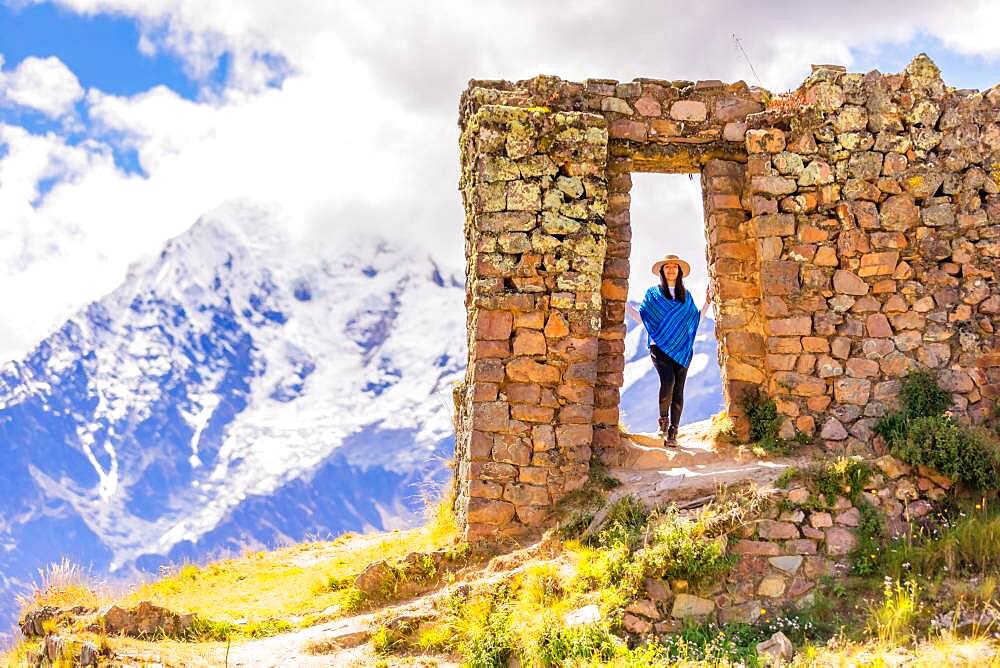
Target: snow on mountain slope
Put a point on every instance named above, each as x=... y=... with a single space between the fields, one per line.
x=244 y=390
x=238 y=389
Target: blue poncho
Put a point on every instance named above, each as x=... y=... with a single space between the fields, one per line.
x=671 y=324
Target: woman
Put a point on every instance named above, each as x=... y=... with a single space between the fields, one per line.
x=671 y=319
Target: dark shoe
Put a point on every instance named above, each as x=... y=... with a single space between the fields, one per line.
x=671 y=436
x=664 y=425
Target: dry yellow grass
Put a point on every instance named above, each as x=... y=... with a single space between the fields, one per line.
x=291 y=583
x=63 y=584
x=944 y=650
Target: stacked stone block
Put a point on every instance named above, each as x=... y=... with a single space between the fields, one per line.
x=781 y=555
x=536 y=194
x=853 y=234
x=876 y=215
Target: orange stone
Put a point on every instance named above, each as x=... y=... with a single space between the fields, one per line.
x=494 y=325
x=529 y=342
x=557 y=326
x=527 y=370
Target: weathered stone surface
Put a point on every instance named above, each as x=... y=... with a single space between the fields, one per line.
x=688 y=605
x=850 y=517
x=771 y=586
x=490 y=511
x=851 y=390
x=778 y=649
x=756 y=547
x=644 y=607
x=768 y=140
x=878 y=264
x=833 y=430
x=892 y=467
x=588 y=614
x=839 y=542
x=688 y=110
x=635 y=624
x=899 y=213
x=780 y=277
x=788 y=564
x=771 y=530
x=145 y=620
x=31 y=624
x=849 y=283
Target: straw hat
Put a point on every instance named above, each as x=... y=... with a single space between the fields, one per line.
x=668 y=259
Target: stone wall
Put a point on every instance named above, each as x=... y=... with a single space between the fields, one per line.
x=852 y=229
x=877 y=219
x=781 y=556
x=536 y=195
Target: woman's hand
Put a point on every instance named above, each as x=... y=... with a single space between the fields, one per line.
x=708 y=299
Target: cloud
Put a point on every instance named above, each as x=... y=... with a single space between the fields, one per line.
x=43 y=84
x=361 y=129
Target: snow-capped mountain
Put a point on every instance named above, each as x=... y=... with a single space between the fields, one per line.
x=241 y=390
x=237 y=390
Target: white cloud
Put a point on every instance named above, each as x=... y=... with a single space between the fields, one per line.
x=362 y=130
x=42 y=84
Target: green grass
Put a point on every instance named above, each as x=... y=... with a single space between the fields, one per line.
x=892 y=618
x=960 y=546
x=679 y=549
x=842 y=477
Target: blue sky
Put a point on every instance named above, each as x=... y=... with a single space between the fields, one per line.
x=122 y=122
x=958 y=70
x=101 y=50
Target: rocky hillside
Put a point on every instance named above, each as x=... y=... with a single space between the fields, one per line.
x=238 y=391
x=798 y=569
x=242 y=390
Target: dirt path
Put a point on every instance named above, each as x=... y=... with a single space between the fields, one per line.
x=652 y=473
x=695 y=467
x=344 y=642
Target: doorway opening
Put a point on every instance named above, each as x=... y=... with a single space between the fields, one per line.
x=667 y=216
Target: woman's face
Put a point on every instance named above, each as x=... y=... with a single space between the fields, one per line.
x=671 y=271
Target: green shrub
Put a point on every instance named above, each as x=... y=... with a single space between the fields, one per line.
x=599 y=476
x=921 y=433
x=866 y=557
x=803 y=622
x=893 y=427
x=786 y=477
x=574 y=525
x=955 y=450
x=486 y=637
x=624 y=524
x=844 y=476
x=558 y=645
x=892 y=619
x=921 y=396
x=731 y=644
x=968 y=546
x=762 y=413
x=204 y=630
x=679 y=549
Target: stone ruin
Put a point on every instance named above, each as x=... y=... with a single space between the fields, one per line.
x=853 y=234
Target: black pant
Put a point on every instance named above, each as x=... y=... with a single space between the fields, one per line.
x=672 y=377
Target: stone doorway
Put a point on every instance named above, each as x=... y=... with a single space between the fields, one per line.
x=546 y=181
x=732 y=262
x=871 y=251
x=667 y=217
